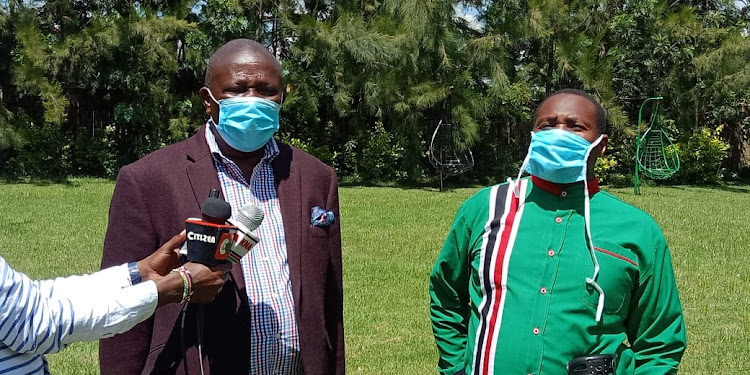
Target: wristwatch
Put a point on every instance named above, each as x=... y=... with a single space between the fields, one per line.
x=135 y=275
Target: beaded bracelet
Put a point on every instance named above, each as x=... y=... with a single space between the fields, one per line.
x=187 y=284
x=189 y=277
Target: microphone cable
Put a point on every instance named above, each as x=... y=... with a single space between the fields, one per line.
x=199 y=330
x=183 y=313
x=200 y=319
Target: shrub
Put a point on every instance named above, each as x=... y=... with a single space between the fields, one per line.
x=605 y=169
x=381 y=156
x=92 y=155
x=700 y=157
x=321 y=152
x=44 y=154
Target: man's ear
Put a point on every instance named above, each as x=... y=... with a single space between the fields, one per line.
x=603 y=145
x=206 y=99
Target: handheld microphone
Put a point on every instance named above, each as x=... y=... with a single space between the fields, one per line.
x=210 y=239
x=248 y=219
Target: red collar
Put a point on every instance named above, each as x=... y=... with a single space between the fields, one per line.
x=557 y=189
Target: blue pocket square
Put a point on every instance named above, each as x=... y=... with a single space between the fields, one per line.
x=320 y=217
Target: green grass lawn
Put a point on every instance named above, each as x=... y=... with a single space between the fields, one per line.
x=391 y=237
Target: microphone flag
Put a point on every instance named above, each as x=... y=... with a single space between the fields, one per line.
x=210 y=243
x=243 y=242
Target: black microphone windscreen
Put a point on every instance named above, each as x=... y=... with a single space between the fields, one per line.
x=250 y=216
x=216 y=210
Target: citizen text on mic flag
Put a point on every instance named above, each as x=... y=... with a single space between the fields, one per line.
x=210 y=243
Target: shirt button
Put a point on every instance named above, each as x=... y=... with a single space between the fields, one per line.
x=558 y=220
x=278 y=336
x=536 y=330
x=543 y=290
x=564 y=194
x=551 y=252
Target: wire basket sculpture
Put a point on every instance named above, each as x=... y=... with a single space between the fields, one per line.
x=447 y=153
x=656 y=155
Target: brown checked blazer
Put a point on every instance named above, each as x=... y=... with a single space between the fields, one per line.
x=152 y=199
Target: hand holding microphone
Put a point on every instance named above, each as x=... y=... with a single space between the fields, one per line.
x=205 y=282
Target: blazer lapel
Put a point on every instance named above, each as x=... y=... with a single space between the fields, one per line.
x=200 y=167
x=202 y=177
x=288 y=190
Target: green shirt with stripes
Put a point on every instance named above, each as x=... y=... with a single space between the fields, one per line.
x=508 y=292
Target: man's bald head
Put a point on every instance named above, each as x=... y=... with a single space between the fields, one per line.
x=241 y=68
x=229 y=52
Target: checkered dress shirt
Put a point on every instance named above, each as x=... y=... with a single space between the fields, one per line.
x=274 y=337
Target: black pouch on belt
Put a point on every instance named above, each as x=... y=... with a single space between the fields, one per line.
x=599 y=364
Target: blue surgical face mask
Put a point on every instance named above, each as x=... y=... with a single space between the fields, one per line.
x=559 y=156
x=247 y=123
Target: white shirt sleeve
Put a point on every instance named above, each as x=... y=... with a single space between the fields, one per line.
x=43 y=317
x=107 y=280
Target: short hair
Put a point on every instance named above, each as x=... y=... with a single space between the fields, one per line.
x=601 y=116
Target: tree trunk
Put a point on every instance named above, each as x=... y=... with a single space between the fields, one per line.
x=550 y=62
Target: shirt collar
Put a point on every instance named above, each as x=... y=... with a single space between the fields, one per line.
x=271 y=151
x=558 y=189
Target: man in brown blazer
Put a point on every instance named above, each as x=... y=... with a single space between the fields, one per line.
x=282 y=310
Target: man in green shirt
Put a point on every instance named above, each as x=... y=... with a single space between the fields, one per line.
x=538 y=271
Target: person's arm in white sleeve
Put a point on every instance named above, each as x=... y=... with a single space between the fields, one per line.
x=32 y=322
x=107 y=280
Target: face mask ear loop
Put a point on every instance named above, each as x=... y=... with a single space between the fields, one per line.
x=587 y=218
x=212 y=96
x=215 y=101
x=514 y=184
